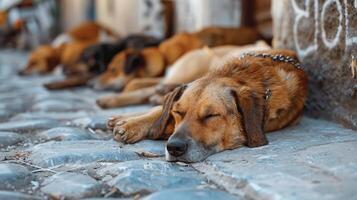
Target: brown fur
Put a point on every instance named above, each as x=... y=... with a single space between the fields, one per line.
x=187 y=68
x=70 y=56
x=158 y=59
x=89 y=31
x=237 y=114
x=41 y=60
x=217 y=36
x=116 y=77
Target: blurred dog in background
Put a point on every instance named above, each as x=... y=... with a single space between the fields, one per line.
x=153 y=62
x=191 y=66
x=66 y=47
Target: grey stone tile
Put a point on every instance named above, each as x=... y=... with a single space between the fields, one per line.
x=66 y=134
x=26 y=126
x=143 y=176
x=60 y=106
x=313 y=160
x=76 y=152
x=14 y=176
x=191 y=194
x=8 y=195
x=9 y=138
x=147 y=147
x=71 y=186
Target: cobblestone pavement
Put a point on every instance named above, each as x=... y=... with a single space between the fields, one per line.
x=54 y=145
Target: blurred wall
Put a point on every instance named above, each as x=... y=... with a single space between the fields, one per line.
x=121 y=15
x=136 y=16
x=73 y=12
x=148 y=16
x=132 y=16
x=194 y=15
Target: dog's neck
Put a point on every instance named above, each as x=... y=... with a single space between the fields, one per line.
x=155 y=62
x=275 y=57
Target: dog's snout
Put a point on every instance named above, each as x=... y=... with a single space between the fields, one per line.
x=22 y=72
x=93 y=83
x=176 y=147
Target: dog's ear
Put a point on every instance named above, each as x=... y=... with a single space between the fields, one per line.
x=52 y=62
x=159 y=126
x=251 y=108
x=133 y=62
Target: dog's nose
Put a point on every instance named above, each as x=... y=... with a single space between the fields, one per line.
x=22 y=72
x=92 y=82
x=176 y=147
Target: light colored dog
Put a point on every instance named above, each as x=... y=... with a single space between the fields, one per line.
x=188 y=68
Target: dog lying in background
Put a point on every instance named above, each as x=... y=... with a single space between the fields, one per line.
x=150 y=63
x=93 y=60
x=46 y=58
x=128 y=65
x=191 y=66
x=232 y=106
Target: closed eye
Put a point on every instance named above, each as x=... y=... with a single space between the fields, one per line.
x=209 y=116
x=114 y=70
x=179 y=113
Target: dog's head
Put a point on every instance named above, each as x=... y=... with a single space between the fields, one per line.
x=212 y=115
x=130 y=64
x=95 y=57
x=41 y=61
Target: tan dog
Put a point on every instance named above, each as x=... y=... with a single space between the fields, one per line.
x=46 y=58
x=130 y=64
x=233 y=106
x=77 y=75
x=158 y=59
x=42 y=60
x=186 y=69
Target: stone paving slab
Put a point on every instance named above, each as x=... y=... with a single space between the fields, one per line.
x=8 y=195
x=51 y=153
x=191 y=194
x=146 y=176
x=14 y=176
x=9 y=138
x=316 y=159
x=313 y=160
x=67 y=134
x=71 y=186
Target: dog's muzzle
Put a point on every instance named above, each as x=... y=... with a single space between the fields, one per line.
x=186 y=149
x=176 y=147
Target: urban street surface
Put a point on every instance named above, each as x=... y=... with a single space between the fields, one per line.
x=54 y=145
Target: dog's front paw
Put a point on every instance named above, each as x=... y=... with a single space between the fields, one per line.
x=112 y=121
x=128 y=130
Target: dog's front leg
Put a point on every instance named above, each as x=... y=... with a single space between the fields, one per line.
x=140 y=83
x=134 y=128
x=68 y=83
x=126 y=98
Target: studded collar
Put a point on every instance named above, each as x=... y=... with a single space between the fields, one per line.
x=277 y=58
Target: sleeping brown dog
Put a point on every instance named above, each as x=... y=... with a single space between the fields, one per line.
x=130 y=64
x=228 y=108
x=189 y=67
x=46 y=58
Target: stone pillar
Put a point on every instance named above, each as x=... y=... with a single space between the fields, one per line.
x=192 y=15
x=324 y=34
x=132 y=16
